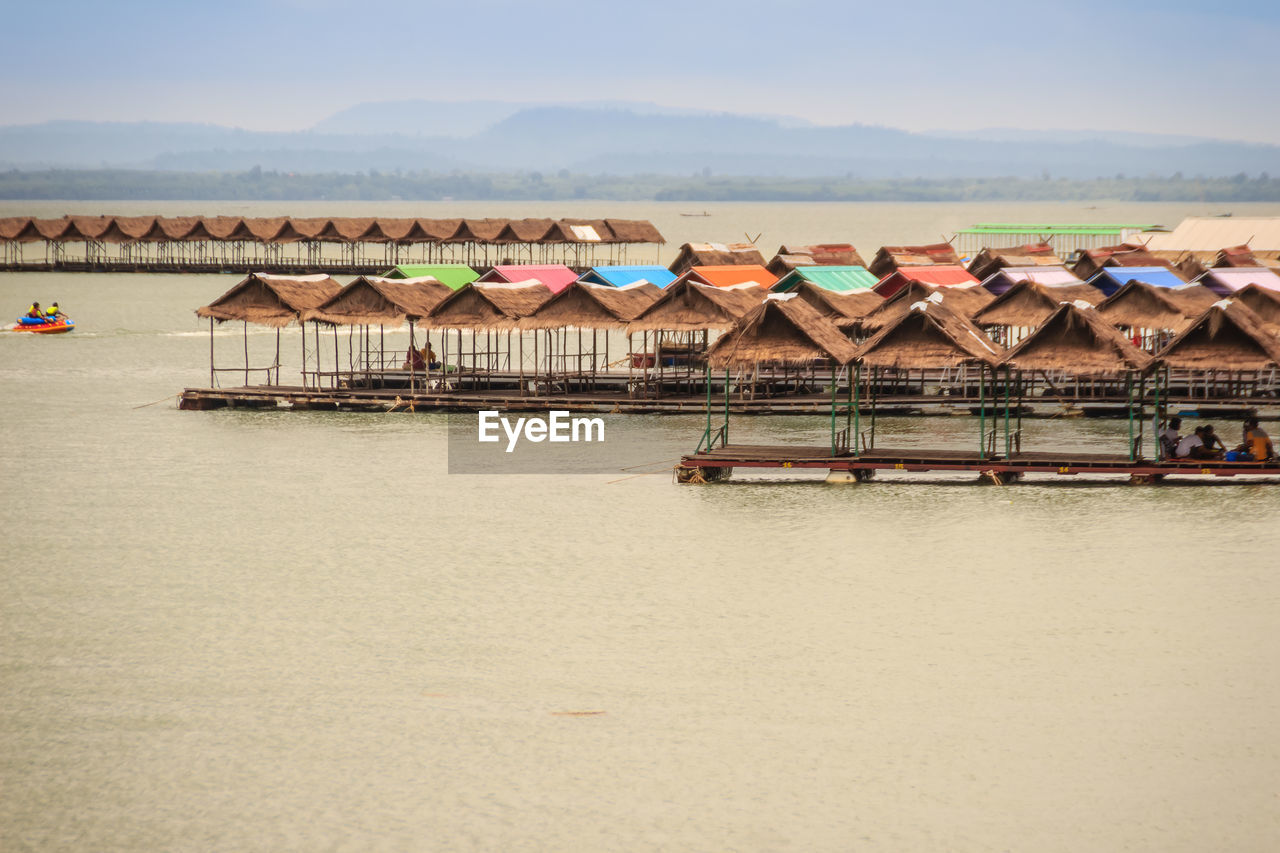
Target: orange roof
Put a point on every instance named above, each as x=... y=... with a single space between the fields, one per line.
x=727 y=276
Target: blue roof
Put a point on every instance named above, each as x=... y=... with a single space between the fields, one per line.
x=1111 y=279
x=621 y=276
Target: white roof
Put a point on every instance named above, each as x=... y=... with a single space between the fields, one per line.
x=1046 y=275
x=1211 y=233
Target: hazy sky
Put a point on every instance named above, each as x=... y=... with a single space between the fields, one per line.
x=1179 y=66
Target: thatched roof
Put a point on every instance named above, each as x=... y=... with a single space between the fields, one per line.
x=782 y=330
x=965 y=301
x=634 y=231
x=715 y=255
x=1193 y=299
x=524 y=231
x=1076 y=339
x=593 y=306
x=271 y=300
x=687 y=306
x=1264 y=302
x=1139 y=305
x=821 y=254
x=88 y=227
x=1228 y=336
x=374 y=301
x=837 y=305
x=989 y=261
x=928 y=335
x=890 y=258
x=1092 y=261
x=1235 y=256
x=488 y=305
x=1029 y=303
x=478 y=231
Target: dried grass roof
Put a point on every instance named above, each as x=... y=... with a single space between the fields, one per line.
x=821 y=254
x=1228 y=336
x=989 y=260
x=488 y=305
x=375 y=301
x=783 y=330
x=687 y=306
x=965 y=301
x=1029 y=303
x=929 y=335
x=715 y=255
x=890 y=258
x=1091 y=261
x=583 y=305
x=1264 y=302
x=838 y=305
x=1076 y=339
x=271 y=300
x=283 y=229
x=1138 y=305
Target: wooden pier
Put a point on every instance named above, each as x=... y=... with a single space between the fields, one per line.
x=717 y=464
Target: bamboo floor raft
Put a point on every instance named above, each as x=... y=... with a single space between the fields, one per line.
x=709 y=465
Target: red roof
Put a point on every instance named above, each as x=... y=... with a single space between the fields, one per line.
x=729 y=275
x=938 y=275
x=555 y=276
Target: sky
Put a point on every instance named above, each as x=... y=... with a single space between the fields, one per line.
x=1180 y=66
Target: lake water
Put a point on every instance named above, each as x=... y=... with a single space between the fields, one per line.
x=241 y=630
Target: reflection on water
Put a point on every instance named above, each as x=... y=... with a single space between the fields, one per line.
x=287 y=630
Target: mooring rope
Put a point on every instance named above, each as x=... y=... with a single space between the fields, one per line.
x=157 y=402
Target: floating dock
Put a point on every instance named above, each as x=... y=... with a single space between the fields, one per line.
x=717 y=464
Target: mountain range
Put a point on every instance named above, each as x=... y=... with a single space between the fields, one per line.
x=620 y=138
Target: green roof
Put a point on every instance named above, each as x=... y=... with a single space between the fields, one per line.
x=454 y=275
x=829 y=278
x=1082 y=230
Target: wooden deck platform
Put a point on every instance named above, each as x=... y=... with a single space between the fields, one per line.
x=1001 y=468
x=467 y=399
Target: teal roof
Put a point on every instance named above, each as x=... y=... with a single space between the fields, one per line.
x=840 y=279
x=454 y=275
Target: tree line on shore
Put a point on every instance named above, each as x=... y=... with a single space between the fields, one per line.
x=268 y=185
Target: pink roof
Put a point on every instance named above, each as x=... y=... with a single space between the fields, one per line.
x=1225 y=280
x=936 y=275
x=555 y=276
x=1048 y=275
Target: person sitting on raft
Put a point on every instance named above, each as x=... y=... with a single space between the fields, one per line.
x=34 y=311
x=1201 y=445
x=413 y=360
x=429 y=356
x=53 y=313
x=1256 y=442
x=1169 y=438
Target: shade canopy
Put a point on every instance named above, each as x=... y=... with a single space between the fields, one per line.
x=583 y=305
x=783 y=330
x=375 y=301
x=687 y=306
x=1228 y=336
x=271 y=300
x=1076 y=339
x=929 y=335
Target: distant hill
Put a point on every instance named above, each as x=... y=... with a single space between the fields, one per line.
x=620 y=139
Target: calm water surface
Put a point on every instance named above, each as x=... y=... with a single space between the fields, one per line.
x=287 y=631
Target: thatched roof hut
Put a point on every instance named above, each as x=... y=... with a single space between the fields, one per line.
x=1139 y=305
x=1193 y=299
x=783 y=330
x=488 y=305
x=789 y=258
x=271 y=300
x=1076 y=339
x=1029 y=303
x=890 y=258
x=583 y=305
x=374 y=301
x=1228 y=336
x=477 y=231
x=1091 y=261
x=634 y=231
x=989 y=261
x=687 y=306
x=1264 y=301
x=1235 y=256
x=838 y=306
x=929 y=335
x=715 y=255
x=524 y=231
x=965 y=301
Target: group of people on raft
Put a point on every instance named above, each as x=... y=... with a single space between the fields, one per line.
x=1204 y=443
x=35 y=313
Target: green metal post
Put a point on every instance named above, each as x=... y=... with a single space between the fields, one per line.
x=706 y=436
x=833 y=412
x=1128 y=386
x=857 y=414
x=1159 y=416
x=982 y=411
x=1007 y=447
x=726 y=405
